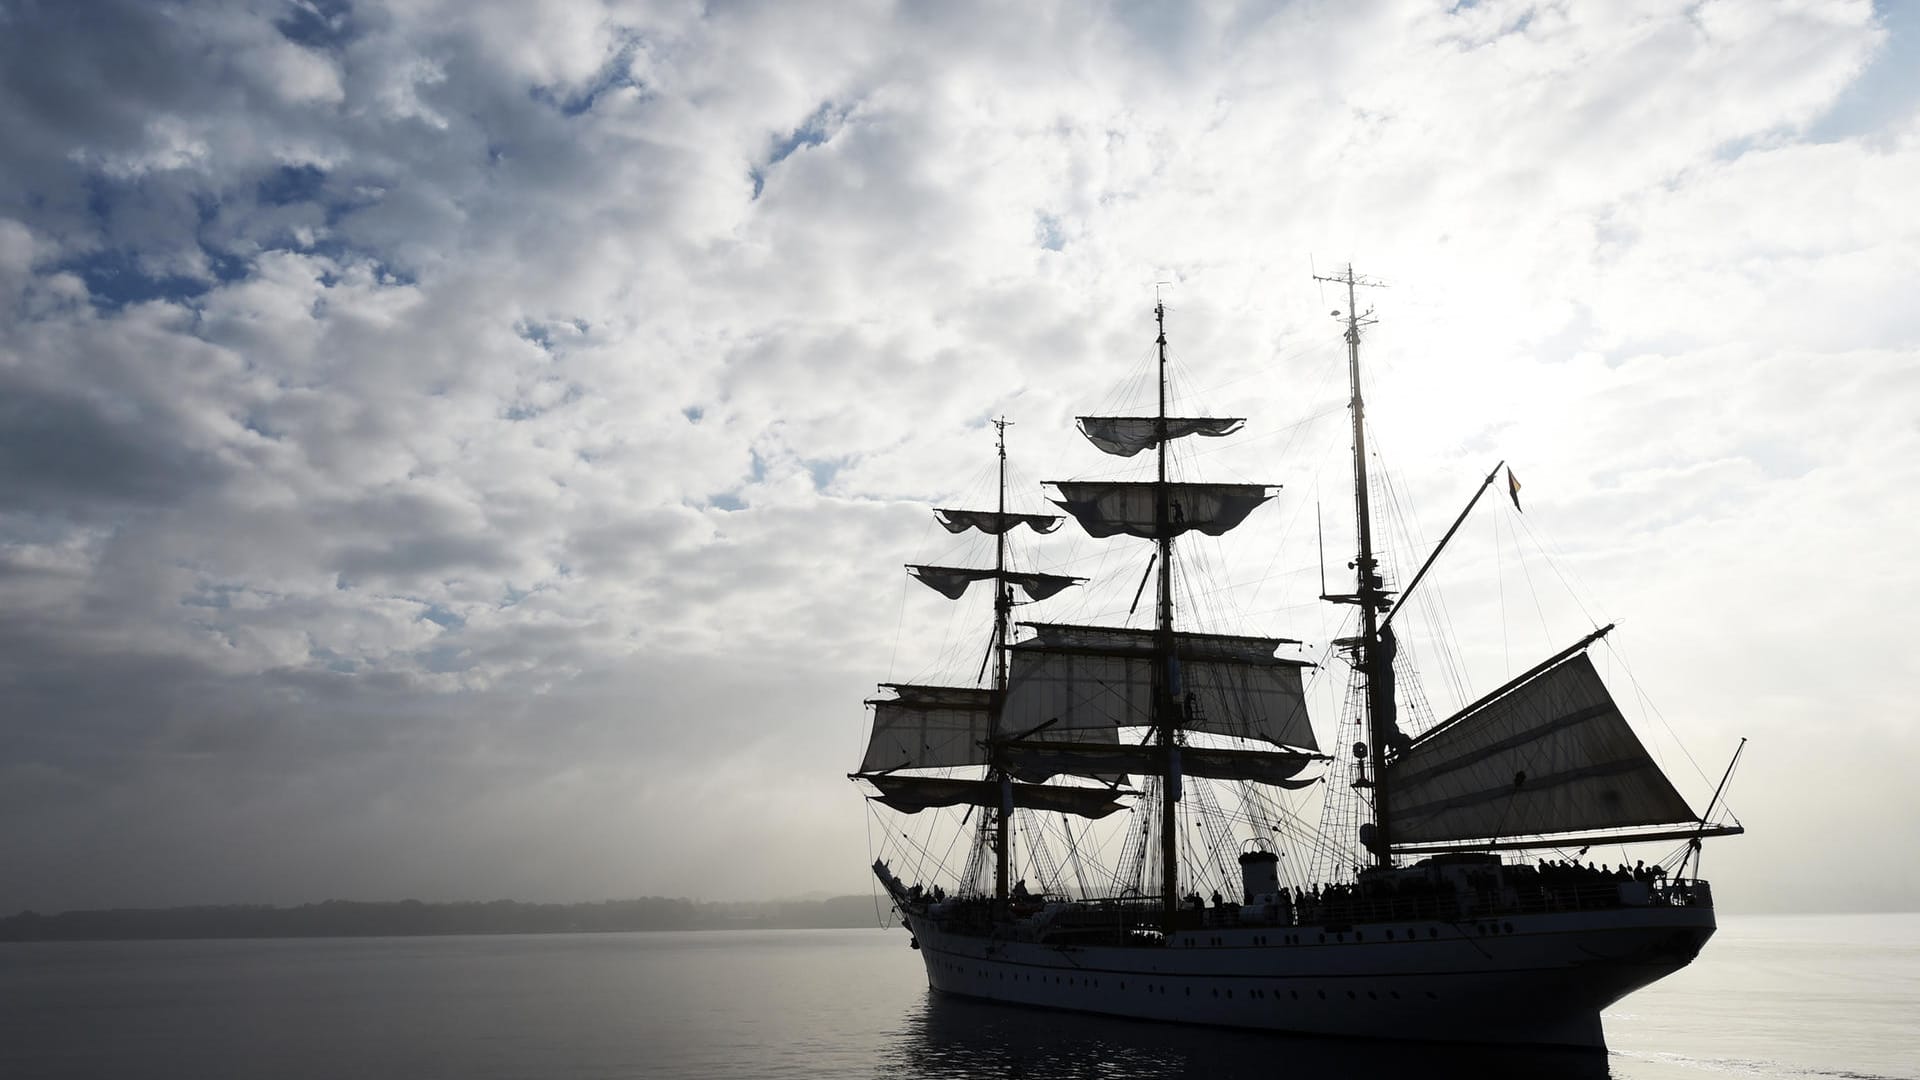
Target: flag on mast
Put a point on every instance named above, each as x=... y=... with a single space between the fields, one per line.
x=1513 y=489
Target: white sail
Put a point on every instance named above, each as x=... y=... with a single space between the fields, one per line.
x=937 y=727
x=994 y=522
x=1551 y=755
x=928 y=727
x=1109 y=508
x=1125 y=436
x=1102 y=677
x=952 y=581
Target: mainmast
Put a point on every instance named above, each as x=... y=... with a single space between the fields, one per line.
x=1374 y=648
x=1166 y=670
x=1002 y=627
x=1161 y=510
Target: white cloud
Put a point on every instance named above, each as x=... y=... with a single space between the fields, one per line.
x=455 y=420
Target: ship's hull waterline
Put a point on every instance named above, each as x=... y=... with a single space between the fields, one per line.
x=1538 y=979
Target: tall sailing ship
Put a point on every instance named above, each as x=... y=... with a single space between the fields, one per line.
x=1435 y=930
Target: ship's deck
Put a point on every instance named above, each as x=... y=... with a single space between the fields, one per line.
x=1135 y=919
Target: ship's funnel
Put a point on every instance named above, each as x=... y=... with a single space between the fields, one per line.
x=1259 y=874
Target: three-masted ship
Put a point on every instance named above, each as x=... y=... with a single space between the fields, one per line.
x=1438 y=935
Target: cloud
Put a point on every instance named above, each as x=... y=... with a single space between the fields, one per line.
x=427 y=428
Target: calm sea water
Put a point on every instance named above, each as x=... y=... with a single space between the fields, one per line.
x=1795 y=996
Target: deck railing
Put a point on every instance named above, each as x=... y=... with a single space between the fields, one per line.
x=1342 y=907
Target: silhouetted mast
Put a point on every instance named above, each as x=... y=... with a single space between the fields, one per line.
x=1166 y=669
x=1373 y=650
x=1002 y=628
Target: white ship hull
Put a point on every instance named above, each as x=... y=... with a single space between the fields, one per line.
x=1532 y=979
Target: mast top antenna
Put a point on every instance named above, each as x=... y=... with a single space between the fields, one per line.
x=1349 y=277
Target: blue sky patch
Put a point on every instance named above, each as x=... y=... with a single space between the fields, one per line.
x=115 y=279
x=443 y=616
x=615 y=74
x=290 y=184
x=1046 y=231
x=318 y=24
x=812 y=133
x=823 y=470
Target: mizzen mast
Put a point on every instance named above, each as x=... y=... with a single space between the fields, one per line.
x=1373 y=650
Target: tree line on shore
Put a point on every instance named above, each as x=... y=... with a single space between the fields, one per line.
x=394 y=918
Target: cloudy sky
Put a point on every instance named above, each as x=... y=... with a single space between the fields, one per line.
x=467 y=449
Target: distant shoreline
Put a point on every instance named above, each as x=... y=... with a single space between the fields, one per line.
x=414 y=918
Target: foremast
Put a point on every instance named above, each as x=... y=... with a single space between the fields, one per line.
x=941 y=727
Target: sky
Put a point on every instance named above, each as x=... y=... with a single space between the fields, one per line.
x=467 y=449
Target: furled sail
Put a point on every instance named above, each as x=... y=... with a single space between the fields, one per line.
x=1126 y=436
x=1038 y=759
x=952 y=581
x=1102 y=677
x=1549 y=755
x=994 y=522
x=1107 y=508
x=912 y=794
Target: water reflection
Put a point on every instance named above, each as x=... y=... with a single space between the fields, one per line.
x=958 y=1038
